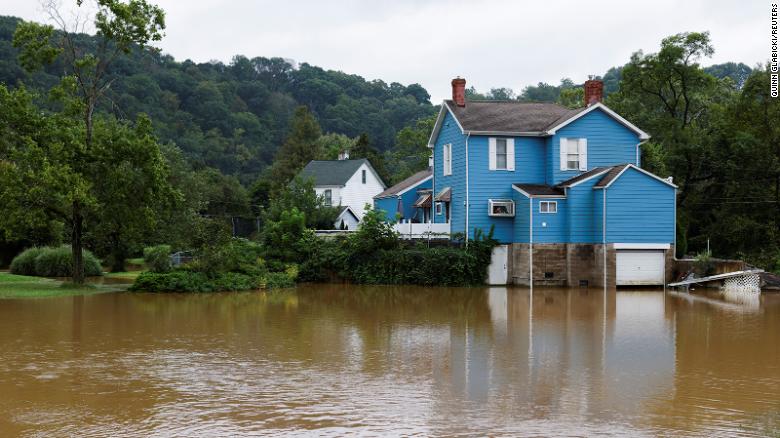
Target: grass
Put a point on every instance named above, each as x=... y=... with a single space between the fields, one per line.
x=129 y=275
x=20 y=286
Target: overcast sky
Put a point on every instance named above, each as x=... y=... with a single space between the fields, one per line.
x=491 y=43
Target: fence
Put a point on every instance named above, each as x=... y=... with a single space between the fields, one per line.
x=428 y=230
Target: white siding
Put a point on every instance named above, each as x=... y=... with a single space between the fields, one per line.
x=335 y=193
x=355 y=194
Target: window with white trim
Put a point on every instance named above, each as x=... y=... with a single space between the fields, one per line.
x=439 y=208
x=501 y=153
x=328 y=194
x=501 y=207
x=447 y=159
x=574 y=153
x=548 y=206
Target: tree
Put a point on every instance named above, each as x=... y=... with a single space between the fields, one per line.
x=121 y=28
x=300 y=147
x=300 y=195
x=363 y=149
x=410 y=153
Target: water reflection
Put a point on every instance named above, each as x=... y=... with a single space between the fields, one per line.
x=336 y=359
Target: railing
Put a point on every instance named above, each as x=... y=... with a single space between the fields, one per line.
x=429 y=230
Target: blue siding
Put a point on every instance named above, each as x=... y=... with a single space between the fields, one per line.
x=581 y=208
x=450 y=133
x=640 y=209
x=521 y=217
x=550 y=227
x=486 y=184
x=388 y=205
x=609 y=143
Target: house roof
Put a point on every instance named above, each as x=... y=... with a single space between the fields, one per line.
x=496 y=117
x=423 y=200
x=344 y=210
x=509 y=116
x=334 y=172
x=540 y=190
x=406 y=184
x=607 y=174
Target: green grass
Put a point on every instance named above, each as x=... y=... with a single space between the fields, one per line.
x=20 y=286
x=129 y=275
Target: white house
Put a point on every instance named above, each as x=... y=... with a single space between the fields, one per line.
x=345 y=183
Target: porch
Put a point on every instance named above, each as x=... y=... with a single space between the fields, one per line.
x=427 y=230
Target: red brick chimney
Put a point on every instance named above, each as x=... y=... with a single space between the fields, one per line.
x=594 y=91
x=459 y=91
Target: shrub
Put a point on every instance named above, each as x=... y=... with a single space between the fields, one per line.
x=158 y=258
x=278 y=280
x=703 y=264
x=24 y=263
x=53 y=262
x=236 y=255
x=189 y=281
x=58 y=262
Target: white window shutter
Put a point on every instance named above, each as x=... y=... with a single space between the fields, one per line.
x=583 y=146
x=563 y=153
x=510 y=154
x=492 y=153
x=449 y=159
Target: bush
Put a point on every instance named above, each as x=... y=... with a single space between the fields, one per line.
x=24 y=263
x=53 y=262
x=189 y=281
x=278 y=280
x=236 y=255
x=158 y=258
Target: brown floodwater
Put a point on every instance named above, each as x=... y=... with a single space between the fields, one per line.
x=338 y=360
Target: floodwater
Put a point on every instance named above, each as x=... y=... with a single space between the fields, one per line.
x=338 y=360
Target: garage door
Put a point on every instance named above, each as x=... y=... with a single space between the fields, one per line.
x=640 y=267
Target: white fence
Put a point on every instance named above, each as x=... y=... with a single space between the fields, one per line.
x=410 y=230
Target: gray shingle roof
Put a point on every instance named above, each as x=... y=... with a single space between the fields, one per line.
x=611 y=175
x=510 y=116
x=583 y=176
x=541 y=189
x=331 y=172
x=405 y=184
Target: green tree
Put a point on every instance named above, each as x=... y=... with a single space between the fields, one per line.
x=410 y=153
x=363 y=149
x=300 y=195
x=300 y=147
x=121 y=28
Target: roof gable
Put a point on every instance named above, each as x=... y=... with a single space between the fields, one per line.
x=617 y=171
x=335 y=172
x=564 y=121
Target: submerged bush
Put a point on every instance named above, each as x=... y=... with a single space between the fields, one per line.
x=189 y=281
x=158 y=258
x=53 y=262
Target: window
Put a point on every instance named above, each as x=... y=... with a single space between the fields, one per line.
x=328 y=194
x=574 y=154
x=501 y=207
x=447 y=159
x=439 y=208
x=364 y=176
x=548 y=206
x=501 y=153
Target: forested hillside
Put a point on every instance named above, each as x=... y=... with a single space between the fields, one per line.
x=234 y=117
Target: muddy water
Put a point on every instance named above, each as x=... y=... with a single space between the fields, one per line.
x=335 y=360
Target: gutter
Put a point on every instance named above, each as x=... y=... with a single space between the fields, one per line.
x=637 y=150
x=531 y=243
x=604 y=234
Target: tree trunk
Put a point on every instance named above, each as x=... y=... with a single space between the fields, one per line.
x=118 y=254
x=75 y=243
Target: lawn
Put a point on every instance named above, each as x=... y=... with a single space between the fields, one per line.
x=20 y=286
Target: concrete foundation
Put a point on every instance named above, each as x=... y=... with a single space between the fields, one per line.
x=569 y=264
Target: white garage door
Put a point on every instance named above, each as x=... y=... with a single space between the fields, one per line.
x=640 y=267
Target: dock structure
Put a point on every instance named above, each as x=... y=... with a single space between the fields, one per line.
x=738 y=281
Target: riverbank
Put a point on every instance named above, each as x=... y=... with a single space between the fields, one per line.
x=21 y=286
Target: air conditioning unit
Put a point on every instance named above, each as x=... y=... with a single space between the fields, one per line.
x=501 y=208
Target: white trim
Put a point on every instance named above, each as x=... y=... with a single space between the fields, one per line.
x=510 y=154
x=438 y=207
x=508 y=133
x=468 y=206
x=509 y=202
x=658 y=246
x=549 y=203
x=446 y=161
x=392 y=195
x=582 y=159
x=439 y=121
x=627 y=166
x=346 y=209
x=531 y=245
x=642 y=134
x=492 y=153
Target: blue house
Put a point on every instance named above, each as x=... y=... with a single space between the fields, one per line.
x=408 y=201
x=562 y=188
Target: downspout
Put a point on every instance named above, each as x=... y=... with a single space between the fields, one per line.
x=531 y=242
x=468 y=205
x=604 y=235
x=637 y=151
x=674 y=253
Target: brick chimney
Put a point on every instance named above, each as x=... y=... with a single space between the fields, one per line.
x=459 y=91
x=594 y=91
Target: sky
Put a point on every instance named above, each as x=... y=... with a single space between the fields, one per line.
x=491 y=43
